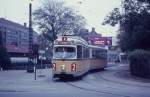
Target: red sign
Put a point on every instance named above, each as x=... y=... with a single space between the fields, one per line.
x=101 y=40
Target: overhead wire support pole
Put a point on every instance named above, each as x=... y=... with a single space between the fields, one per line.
x=29 y=67
x=30 y=29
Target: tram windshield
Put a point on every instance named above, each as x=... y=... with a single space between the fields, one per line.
x=64 y=52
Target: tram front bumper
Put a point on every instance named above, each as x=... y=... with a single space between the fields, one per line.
x=64 y=74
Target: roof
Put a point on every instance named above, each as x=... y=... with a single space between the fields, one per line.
x=76 y=39
x=5 y=22
x=79 y=40
x=99 y=47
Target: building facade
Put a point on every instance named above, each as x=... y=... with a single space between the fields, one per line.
x=15 y=38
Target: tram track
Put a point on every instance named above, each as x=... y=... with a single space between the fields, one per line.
x=102 y=77
x=122 y=83
x=93 y=90
x=81 y=84
x=97 y=91
x=115 y=72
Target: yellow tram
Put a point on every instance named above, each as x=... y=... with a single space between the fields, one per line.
x=73 y=56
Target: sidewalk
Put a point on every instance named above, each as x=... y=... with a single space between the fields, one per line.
x=20 y=80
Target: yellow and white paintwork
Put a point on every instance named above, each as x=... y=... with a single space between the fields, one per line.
x=63 y=66
x=82 y=66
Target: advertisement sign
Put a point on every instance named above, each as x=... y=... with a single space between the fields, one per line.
x=101 y=40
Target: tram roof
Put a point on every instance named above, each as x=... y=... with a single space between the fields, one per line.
x=98 y=47
x=79 y=40
x=76 y=39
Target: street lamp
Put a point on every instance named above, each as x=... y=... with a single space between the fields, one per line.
x=30 y=67
x=30 y=28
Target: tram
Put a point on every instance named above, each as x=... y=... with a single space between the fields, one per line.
x=73 y=56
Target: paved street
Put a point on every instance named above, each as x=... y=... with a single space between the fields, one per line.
x=114 y=81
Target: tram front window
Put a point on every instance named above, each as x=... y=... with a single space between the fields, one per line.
x=64 y=52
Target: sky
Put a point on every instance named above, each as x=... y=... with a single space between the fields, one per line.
x=94 y=12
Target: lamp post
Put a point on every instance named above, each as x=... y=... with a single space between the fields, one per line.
x=30 y=29
x=30 y=67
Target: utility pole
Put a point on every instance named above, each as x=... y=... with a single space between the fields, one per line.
x=1 y=47
x=30 y=30
x=30 y=67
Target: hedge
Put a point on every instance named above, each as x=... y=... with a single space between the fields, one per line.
x=140 y=63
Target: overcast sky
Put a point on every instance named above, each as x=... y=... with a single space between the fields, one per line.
x=93 y=10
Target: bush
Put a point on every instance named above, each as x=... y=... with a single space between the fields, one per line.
x=140 y=63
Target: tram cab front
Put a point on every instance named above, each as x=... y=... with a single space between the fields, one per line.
x=65 y=59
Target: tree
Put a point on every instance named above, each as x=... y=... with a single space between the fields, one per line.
x=134 y=23
x=113 y=18
x=55 y=18
x=145 y=1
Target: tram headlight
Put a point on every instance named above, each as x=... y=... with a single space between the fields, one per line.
x=62 y=67
x=54 y=66
x=73 y=67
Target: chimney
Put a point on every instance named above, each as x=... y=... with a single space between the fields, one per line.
x=25 y=24
x=93 y=29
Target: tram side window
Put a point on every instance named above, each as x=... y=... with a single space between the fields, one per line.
x=99 y=54
x=103 y=54
x=93 y=53
x=86 y=53
x=79 y=51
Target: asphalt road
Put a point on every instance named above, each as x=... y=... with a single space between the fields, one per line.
x=114 y=81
